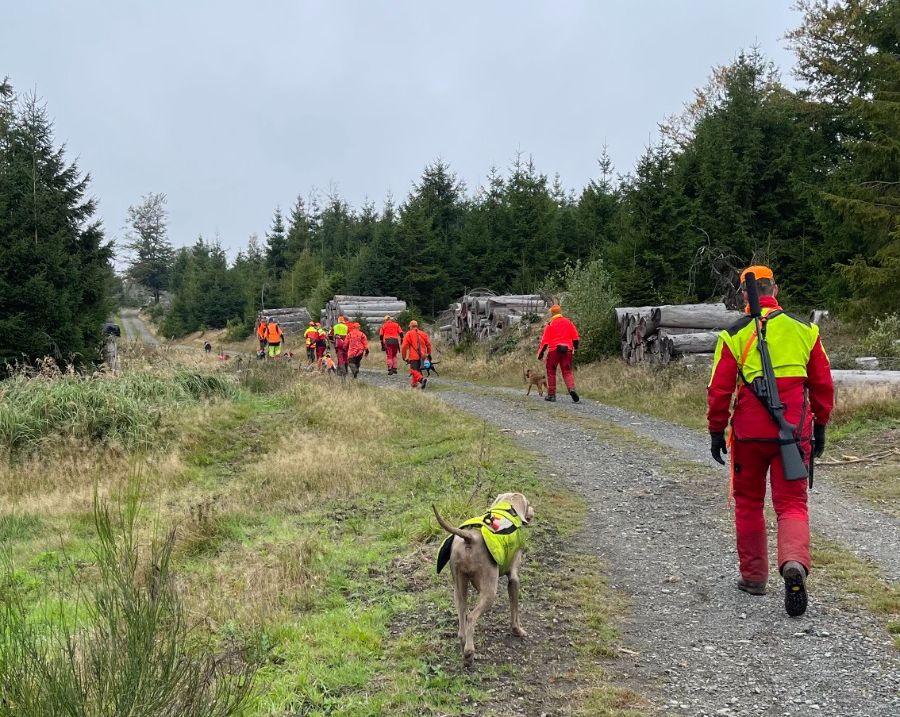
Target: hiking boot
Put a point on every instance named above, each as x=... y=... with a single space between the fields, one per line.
x=752 y=587
x=574 y=396
x=548 y=397
x=794 y=575
x=422 y=385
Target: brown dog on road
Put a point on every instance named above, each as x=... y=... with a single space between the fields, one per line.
x=479 y=552
x=535 y=378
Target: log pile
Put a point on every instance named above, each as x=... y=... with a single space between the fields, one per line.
x=372 y=309
x=482 y=314
x=293 y=320
x=659 y=334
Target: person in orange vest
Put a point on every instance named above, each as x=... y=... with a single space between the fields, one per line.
x=274 y=337
x=357 y=347
x=559 y=342
x=339 y=335
x=310 y=336
x=391 y=335
x=415 y=350
x=261 y=333
x=805 y=388
x=321 y=341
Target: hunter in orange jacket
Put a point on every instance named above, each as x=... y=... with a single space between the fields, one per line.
x=559 y=342
x=274 y=337
x=357 y=347
x=391 y=335
x=416 y=348
x=261 y=333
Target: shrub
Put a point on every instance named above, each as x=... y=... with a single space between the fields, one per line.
x=130 y=650
x=588 y=296
x=237 y=330
x=883 y=338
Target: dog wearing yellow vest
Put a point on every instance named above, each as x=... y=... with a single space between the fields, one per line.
x=479 y=552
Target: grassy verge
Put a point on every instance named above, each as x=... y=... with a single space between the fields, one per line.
x=304 y=542
x=859 y=578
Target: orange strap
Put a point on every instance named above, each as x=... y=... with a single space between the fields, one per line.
x=730 y=441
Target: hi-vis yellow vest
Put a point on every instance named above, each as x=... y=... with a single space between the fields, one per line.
x=340 y=329
x=790 y=341
x=502 y=542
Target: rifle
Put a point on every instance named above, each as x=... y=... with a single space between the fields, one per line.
x=766 y=390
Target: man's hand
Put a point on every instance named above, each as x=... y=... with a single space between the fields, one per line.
x=541 y=352
x=717 y=445
x=819 y=440
x=367 y=352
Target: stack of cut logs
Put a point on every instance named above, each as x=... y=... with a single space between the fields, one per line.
x=483 y=315
x=659 y=334
x=292 y=320
x=372 y=309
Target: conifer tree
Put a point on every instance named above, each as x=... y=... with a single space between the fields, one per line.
x=54 y=263
x=151 y=253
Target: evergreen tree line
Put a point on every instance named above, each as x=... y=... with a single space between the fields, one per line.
x=749 y=171
x=55 y=271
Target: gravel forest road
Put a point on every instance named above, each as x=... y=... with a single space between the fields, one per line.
x=659 y=521
x=135 y=329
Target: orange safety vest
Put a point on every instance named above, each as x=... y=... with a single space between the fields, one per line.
x=274 y=333
x=261 y=330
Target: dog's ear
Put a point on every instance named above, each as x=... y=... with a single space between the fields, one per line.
x=519 y=503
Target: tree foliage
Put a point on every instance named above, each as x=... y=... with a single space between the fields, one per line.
x=151 y=253
x=55 y=273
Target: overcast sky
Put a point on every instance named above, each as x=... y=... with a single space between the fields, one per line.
x=232 y=107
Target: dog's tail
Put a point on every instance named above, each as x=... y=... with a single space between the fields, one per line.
x=464 y=534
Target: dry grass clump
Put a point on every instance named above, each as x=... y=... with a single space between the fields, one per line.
x=866 y=403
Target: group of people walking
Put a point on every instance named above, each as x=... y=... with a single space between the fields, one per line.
x=351 y=345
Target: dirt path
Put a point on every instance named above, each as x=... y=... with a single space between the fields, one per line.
x=703 y=648
x=135 y=329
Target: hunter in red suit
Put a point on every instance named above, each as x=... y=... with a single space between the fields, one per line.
x=803 y=375
x=559 y=343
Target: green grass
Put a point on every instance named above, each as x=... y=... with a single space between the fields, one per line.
x=127 y=410
x=305 y=543
x=859 y=577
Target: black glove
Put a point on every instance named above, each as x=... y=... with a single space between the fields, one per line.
x=574 y=345
x=542 y=352
x=717 y=445
x=819 y=440
x=367 y=352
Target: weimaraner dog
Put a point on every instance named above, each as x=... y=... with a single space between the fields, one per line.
x=473 y=561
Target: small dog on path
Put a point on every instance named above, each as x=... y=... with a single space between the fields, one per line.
x=479 y=552
x=535 y=378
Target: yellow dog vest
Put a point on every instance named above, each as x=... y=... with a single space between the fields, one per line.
x=501 y=528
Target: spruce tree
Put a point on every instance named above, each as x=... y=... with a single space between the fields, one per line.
x=54 y=264
x=151 y=254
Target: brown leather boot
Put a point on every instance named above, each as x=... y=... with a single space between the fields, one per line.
x=752 y=587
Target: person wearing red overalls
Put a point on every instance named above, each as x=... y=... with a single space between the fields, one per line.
x=391 y=335
x=559 y=342
x=805 y=387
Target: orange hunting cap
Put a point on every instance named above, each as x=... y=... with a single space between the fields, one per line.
x=555 y=309
x=759 y=271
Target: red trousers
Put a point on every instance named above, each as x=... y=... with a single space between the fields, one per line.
x=752 y=461
x=340 y=350
x=320 y=350
x=415 y=374
x=391 y=350
x=564 y=361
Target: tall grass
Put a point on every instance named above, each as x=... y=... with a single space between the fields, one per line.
x=130 y=652
x=125 y=410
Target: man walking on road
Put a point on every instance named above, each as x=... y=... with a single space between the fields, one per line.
x=415 y=350
x=357 y=347
x=559 y=342
x=391 y=335
x=801 y=368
